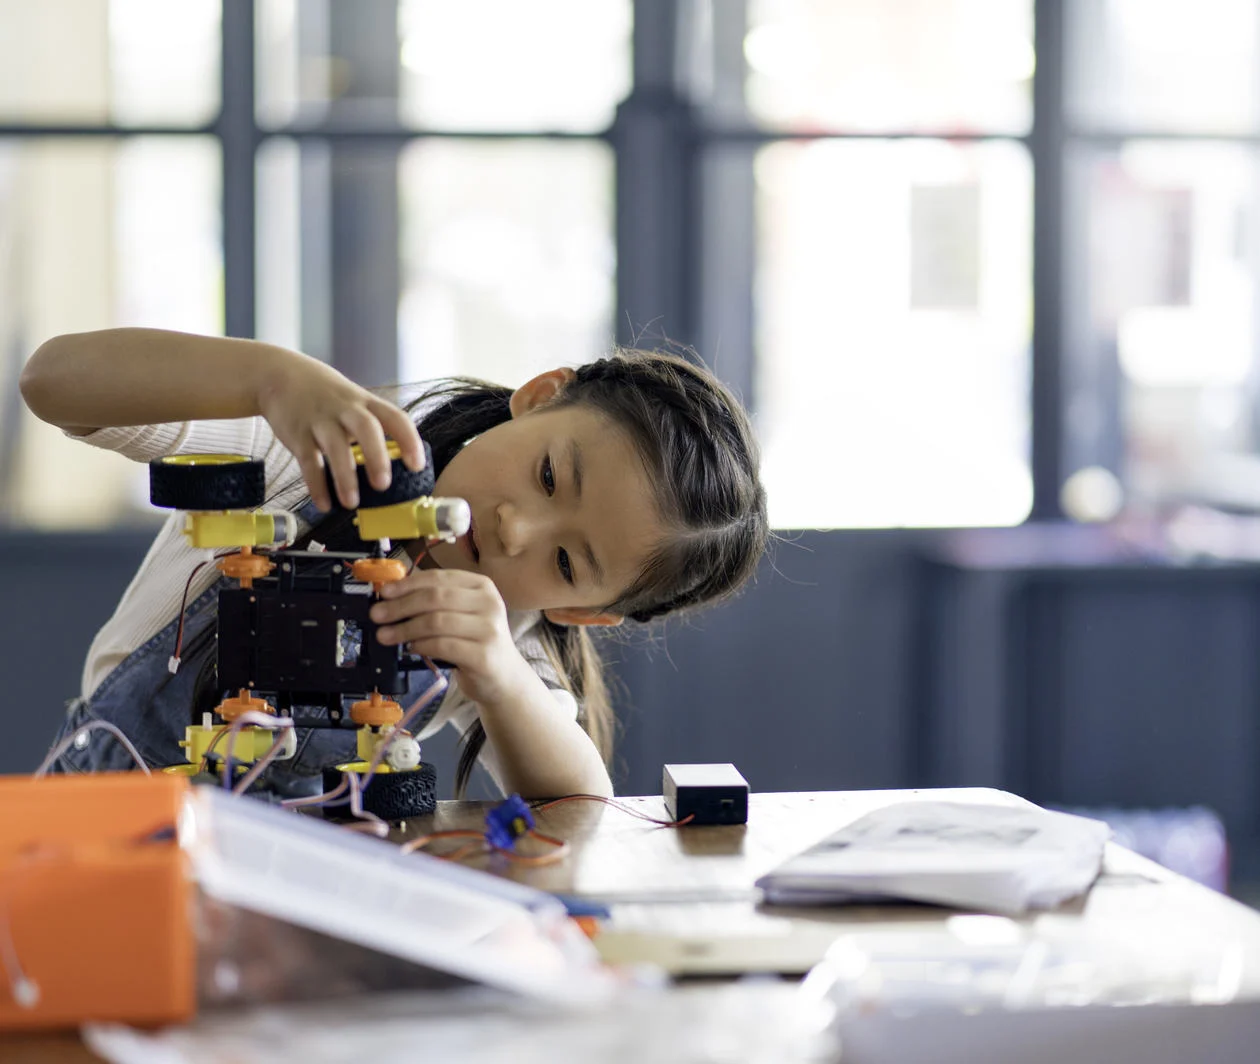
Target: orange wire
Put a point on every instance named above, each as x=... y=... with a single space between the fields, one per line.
x=411 y=845
x=463 y=851
x=212 y=744
x=562 y=848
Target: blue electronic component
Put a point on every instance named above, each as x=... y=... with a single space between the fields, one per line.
x=508 y=821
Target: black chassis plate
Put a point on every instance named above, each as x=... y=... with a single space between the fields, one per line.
x=286 y=643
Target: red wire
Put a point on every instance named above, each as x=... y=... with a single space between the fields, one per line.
x=616 y=805
x=183 y=602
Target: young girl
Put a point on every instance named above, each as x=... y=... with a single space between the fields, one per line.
x=625 y=488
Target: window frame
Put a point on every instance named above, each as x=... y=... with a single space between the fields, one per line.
x=683 y=226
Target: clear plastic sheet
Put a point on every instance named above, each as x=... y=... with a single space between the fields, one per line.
x=291 y=908
x=987 y=988
x=247 y=958
x=976 y=962
x=749 y=1022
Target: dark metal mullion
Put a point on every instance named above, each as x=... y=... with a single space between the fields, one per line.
x=1047 y=144
x=1101 y=137
x=335 y=133
x=654 y=156
x=724 y=135
x=34 y=132
x=704 y=136
x=239 y=139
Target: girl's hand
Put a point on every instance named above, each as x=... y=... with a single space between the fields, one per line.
x=459 y=617
x=318 y=414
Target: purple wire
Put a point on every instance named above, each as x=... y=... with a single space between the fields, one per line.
x=354 y=783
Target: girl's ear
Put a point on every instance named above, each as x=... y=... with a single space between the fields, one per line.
x=542 y=389
x=583 y=615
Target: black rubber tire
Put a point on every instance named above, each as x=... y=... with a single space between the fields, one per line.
x=391 y=795
x=232 y=486
x=404 y=484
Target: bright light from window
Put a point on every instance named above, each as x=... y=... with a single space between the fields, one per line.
x=893 y=333
x=879 y=65
x=508 y=259
x=501 y=64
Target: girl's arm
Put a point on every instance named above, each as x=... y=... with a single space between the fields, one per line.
x=460 y=617
x=84 y=381
x=542 y=752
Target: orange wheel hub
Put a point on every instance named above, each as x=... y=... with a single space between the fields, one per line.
x=378 y=571
x=376 y=711
x=231 y=708
x=245 y=566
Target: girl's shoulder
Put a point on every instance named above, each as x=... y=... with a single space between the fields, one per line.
x=249 y=436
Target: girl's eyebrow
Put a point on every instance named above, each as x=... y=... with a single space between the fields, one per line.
x=575 y=471
x=575 y=464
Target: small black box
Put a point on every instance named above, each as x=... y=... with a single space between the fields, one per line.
x=709 y=794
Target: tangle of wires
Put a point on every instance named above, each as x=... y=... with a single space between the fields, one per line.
x=512 y=820
x=350 y=790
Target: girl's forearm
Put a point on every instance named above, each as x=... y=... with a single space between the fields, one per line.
x=542 y=753
x=83 y=381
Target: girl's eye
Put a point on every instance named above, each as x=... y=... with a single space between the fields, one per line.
x=562 y=562
x=548 y=476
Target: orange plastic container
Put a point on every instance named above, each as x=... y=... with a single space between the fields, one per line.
x=95 y=901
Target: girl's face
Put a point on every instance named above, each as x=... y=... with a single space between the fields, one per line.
x=563 y=515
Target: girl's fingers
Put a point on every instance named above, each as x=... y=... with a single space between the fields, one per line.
x=474 y=627
x=335 y=445
x=401 y=429
x=311 y=463
x=435 y=583
x=421 y=601
x=462 y=653
x=366 y=430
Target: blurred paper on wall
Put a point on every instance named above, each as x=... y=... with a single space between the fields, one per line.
x=945 y=247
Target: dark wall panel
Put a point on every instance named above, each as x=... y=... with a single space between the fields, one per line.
x=58 y=590
x=805 y=681
x=1143 y=692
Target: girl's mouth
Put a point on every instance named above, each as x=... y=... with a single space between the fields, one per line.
x=472 y=541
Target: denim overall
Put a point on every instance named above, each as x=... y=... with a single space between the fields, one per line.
x=152 y=707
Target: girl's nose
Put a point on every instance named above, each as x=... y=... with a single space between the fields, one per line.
x=516 y=528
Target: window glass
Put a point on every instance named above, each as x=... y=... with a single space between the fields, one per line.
x=98 y=232
x=506 y=255
x=957 y=66
x=1163 y=323
x=893 y=330
x=1165 y=65
x=485 y=64
x=508 y=258
x=123 y=62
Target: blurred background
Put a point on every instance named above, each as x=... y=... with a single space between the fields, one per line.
x=985 y=272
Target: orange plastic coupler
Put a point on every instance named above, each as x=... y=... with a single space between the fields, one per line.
x=95 y=902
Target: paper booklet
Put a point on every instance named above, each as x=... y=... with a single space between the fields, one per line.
x=968 y=856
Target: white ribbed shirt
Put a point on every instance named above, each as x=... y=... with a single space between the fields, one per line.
x=152 y=599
